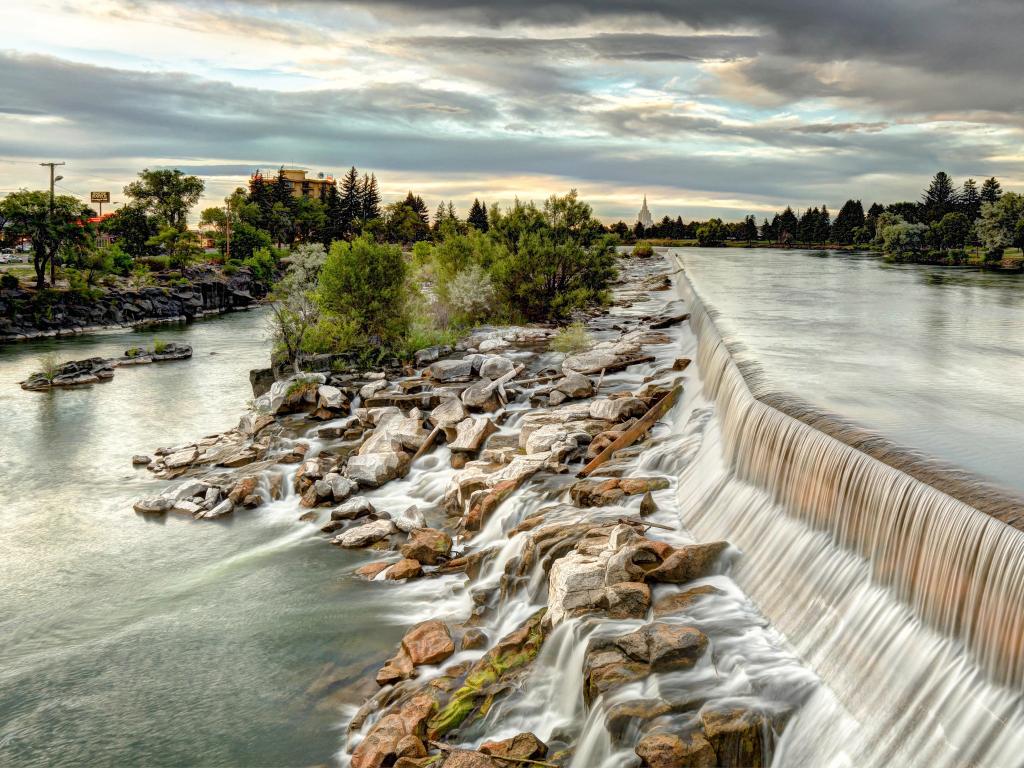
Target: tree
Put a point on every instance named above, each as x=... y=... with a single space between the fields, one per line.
x=551 y=260
x=809 y=225
x=970 y=199
x=953 y=231
x=369 y=198
x=260 y=196
x=478 y=215
x=750 y=229
x=180 y=245
x=403 y=224
x=362 y=286
x=822 y=226
x=991 y=190
x=939 y=198
x=132 y=229
x=29 y=214
x=902 y=238
x=168 y=195
x=908 y=211
x=1001 y=225
x=246 y=239
x=850 y=218
x=309 y=217
x=351 y=205
x=336 y=224
x=711 y=233
x=293 y=300
x=788 y=225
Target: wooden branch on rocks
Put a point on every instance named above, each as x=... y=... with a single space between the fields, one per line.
x=426 y=444
x=600 y=380
x=447 y=748
x=618 y=366
x=499 y=381
x=634 y=433
x=647 y=523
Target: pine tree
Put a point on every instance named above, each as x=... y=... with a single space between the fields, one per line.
x=440 y=216
x=939 y=198
x=260 y=196
x=970 y=199
x=850 y=218
x=788 y=225
x=991 y=190
x=766 y=230
x=351 y=204
x=478 y=216
x=415 y=202
x=369 y=195
x=822 y=226
x=808 y=225
x=750 y=229
x=336 y=225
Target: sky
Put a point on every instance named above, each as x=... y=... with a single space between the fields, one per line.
x=709 y=107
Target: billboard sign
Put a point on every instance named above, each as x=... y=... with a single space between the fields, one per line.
x=99 y=197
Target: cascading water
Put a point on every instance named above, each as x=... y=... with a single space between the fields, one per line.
x=907 y=602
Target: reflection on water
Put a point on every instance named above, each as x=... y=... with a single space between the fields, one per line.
x=931 y=357
x=136 y=641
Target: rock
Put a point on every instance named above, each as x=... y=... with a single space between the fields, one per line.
x=449 y=413
x=687 y=563
x=480 y=396
x=590 y=361
x=182 y=458
x=524 y=746
x=404 y=569
x=365 y=535
x=212 y=497
x=494 y=366
x=224 y=508
x=681 y=364
x=628 y=600
x=261 y=379
x=736 y=735
x=427 y=545
x=429 y=355
x=471 y=434
x=371 y=570
x=369 y=390
x=601 y=492
x=617 y=409
x=647 y=505
x=188 y=490
x=157 y=506
x=353 y=509
x=410 y=520
x=251 y=423
x=428 y=642
x=664 y=750
x=556 y=398
x=244 y=487
x=241 y=457
x=331 y=398
x=473 y=639
x=575 y=385
x=187 y=507
x=489 y=345
x=410 y=431
x=373 y=469
x=447 y=371
x=462 y=758
x=139 y=460
x=681 y=601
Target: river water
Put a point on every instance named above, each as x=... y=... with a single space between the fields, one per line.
x=128 y=640
x=930 y=357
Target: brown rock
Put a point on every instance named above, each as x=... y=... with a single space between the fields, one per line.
x=404 y=569
x=410 y=746
x=396 y=669
x=681 y=601
x=688 y=563
x=429 y=642
x=244 y=487
x=628 y=600
x=308 y=517
x=636 y=485
x=673 y=647
x=736 y=735
x=474 y=639
x=378 y=748
x=664 y=750
x=330 y=526
x=460 y=758
x=371 y=570
x=523 y=746
x=647 y=505
x=427 y=545
x=621 y=717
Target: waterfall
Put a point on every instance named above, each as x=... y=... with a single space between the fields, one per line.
x=908 y=602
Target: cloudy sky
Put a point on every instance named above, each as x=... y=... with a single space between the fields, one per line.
x=710 y=107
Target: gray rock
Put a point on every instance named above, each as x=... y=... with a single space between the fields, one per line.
x=139 y=460
x=331 y=398
x=617 y=409
x=157 y=506
x=445 y=371
x=373 y=469
x=575 y=385
x=410 y=520
x=448 y=413
x=221 y=510
x=369 y=390
x=477 y=396
x=353 y=509
x=495 y=366
x=471 y=434
x=365 y=535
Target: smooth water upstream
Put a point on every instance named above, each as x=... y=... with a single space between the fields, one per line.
x=128 y=640
x=931 y=358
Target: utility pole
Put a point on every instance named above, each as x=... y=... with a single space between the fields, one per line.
x=53 y=254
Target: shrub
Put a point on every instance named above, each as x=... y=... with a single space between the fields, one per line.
x=362 y=285
x=49 y=364
x=159 y=346
x=263 y=264
x=643 y=250
x=571 y=339
x=154 y=263
x=471 y=295
x=8 y=282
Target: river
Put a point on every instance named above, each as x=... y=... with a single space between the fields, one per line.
x=129 y=640
x=929 y=357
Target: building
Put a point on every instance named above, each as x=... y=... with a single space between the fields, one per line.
x=301 y=186
x=644 y=217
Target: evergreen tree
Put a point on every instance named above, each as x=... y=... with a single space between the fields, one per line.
x=808 y=226
x=850 y=218
x=351 y=204
x=767 y=233
x=991 y=190
x=452 y=214
x=260 y=196
x=940 y=198
x=970 y=199
x=788 y=225
x=416 y=204
x=369 y=195
x=823 y=226
x=750 y=229
x=335 y=225
x=440 y=217
x=478 y=215
x=678 y=229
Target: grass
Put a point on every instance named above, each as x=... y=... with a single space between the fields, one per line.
x=159 y=346
x=571 y=339
x=49 y=364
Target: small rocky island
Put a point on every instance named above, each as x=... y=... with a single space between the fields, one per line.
x=93 y=370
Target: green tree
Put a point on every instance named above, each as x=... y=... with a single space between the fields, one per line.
x=970 y=199
x=131 y=227
x=991 y=190
x=849 y=219
x=369 y=199
x=246 y=239
x=750 y=229
x=788 y=225
x=711 y=233
x=1001 y=225
x=29 y=214
x=478 y=215
x=351 y=207
x=403 y=224
x=939 y=198
x=903 y=238
x=954 y=230
x=362 y=287
x=180 y=246
x=168 y=195
x=261 y=197
x=309 y=219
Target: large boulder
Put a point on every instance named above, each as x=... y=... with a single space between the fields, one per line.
x=449 y=413
x=470 y=434
x=737 y=735
x=331 y=398
x=353 y=509
x=522 y=746
x=494 y=367
x=617 y=409
x=365 y=535
x=374 y=469
x=427 y=545
x=666 y=750
x=447 y=371
x=481 y=396
x=575 y=385
x=687 y=563
x=429 y=642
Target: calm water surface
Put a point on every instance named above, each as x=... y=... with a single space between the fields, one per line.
x=131 y=641
x=930 y=357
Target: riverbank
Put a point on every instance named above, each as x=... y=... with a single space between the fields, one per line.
x=528 y=556
x=195 y=292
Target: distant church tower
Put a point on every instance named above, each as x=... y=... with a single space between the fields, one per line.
x=644 y=217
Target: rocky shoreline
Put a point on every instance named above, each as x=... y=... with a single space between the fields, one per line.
x=549 y=525
x=199 y=292
x=93 y=370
